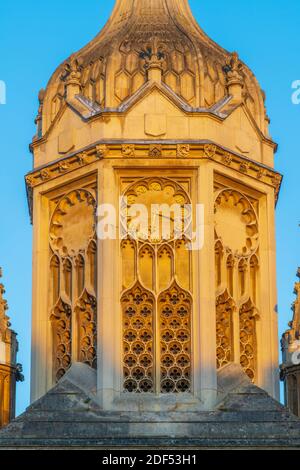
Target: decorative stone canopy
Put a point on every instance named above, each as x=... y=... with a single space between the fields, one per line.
x=152 y=40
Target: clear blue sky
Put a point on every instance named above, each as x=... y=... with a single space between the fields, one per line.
x=36 y=36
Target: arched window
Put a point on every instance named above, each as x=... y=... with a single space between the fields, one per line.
x=157 y=309
x=73 y=267
x=237 y=284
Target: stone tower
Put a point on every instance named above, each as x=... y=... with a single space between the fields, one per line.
x=154 y=110
x=9 y=370
x=290 y=368
x=150 y=112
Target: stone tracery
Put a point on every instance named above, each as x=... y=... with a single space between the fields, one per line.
x=73 y=281
x=138 y=339
x=161 y=270
x=225 y=311
x=237 y=271
x=175 y=307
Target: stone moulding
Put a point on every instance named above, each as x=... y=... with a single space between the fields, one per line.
x=143 y=150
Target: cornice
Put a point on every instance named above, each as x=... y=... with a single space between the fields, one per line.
x=155 y=151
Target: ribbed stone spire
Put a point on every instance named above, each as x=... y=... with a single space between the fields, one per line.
x=114 y=65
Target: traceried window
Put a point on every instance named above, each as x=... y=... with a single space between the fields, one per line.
x=237 y=271
x=73 y=280
x=156 y=299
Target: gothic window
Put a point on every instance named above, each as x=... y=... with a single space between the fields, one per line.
x=55 y=278
x=68 y=277
x=218 y=259
x=236 y=232
x=73 y=277
x=92 y=259
x=230 y=273
x=254 y=265
x=80 y=274
x=157 y=302
x=243 y=267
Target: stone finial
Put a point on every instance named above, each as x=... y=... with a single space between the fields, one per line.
x=38 y=119
x=235 y=78
x=4 y=319
x=72 y=77
x=154 y=56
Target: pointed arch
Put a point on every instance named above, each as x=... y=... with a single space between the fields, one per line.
x=92 y=260
x=165 y=266
x=254 y=267
x=80 y=274
x=243 y=271
x=55 y=278
x=219 y=253
x=129 y=257
x=230 y=263
x=67 y=275
x=183 y=263
x=146 y=264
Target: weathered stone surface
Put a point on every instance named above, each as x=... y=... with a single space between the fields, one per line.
x=67 y=417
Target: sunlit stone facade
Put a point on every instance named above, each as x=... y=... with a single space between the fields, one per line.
x=156 y=335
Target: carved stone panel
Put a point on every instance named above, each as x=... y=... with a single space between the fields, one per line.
x=175 y=340
x=162 y=269
x=73 y=281
x=237 y=279
x=138 y=340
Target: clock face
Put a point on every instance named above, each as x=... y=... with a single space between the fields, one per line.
x=155 y=210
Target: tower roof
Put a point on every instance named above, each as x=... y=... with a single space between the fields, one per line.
x=113 y=66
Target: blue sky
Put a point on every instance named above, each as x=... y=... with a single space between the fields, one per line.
x=36 y=36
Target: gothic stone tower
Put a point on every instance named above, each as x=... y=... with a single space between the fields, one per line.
x=154 y=110
x=290 y=368
x=8 y=366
